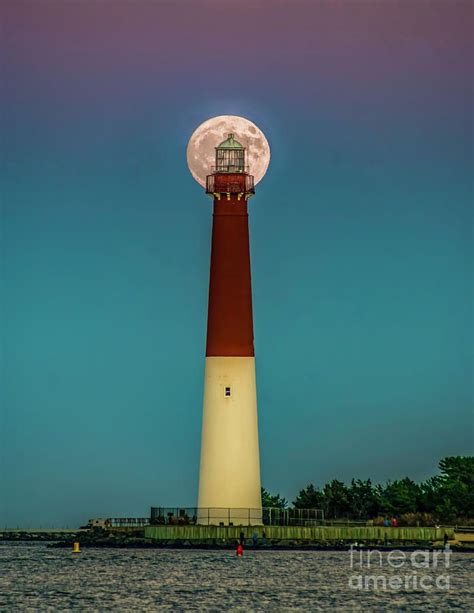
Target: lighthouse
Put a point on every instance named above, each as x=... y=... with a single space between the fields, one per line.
x=229 y=478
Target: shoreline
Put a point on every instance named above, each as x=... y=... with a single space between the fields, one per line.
x=88 y=540
x=84 y=546
x=266 y=538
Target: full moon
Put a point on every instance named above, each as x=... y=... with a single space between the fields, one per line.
x=200 y=152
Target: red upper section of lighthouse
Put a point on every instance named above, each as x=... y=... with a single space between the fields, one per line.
x=230 y=323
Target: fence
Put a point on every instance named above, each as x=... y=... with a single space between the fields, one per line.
x=127 y=522
x=292 y=517
x=232 y=183
x=189 y=516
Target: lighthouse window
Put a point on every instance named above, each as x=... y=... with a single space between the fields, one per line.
x=227 y=392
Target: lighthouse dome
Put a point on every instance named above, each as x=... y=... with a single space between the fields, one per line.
x=230 y=143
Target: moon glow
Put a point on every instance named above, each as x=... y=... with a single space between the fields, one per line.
x=200 y=152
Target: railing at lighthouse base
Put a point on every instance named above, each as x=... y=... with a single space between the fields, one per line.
x=229 y=517
x=206 y=516
x=266 y=516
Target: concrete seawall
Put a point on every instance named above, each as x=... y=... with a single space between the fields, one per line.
x=319 y=534
x=270 y=537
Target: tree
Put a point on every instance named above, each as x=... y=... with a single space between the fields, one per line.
x=401 y=496
x=364 y=499
x=335 y=499
x=448 y=496
x=456 y=488
x=274 y=501
x=430 y=495
x=309 y=498
x=458 y=468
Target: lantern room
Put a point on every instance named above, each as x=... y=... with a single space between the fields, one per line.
x=230 y=174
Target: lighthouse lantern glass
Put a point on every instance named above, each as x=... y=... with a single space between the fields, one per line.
x=230 y=156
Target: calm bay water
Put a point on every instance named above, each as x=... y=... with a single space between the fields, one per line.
x=36 y=578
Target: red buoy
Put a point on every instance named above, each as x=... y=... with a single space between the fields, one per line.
x=240 y=550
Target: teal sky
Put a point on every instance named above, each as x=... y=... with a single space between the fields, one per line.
x=361 y=241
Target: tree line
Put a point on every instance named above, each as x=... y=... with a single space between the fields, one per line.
x=446 y=497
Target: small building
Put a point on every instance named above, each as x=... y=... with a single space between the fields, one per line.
x=98 y=522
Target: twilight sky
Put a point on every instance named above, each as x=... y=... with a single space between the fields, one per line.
x=361 y=238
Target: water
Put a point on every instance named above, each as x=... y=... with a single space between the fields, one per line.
x=36 y=578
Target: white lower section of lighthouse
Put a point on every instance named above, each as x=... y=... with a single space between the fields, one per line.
x=229 y=480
